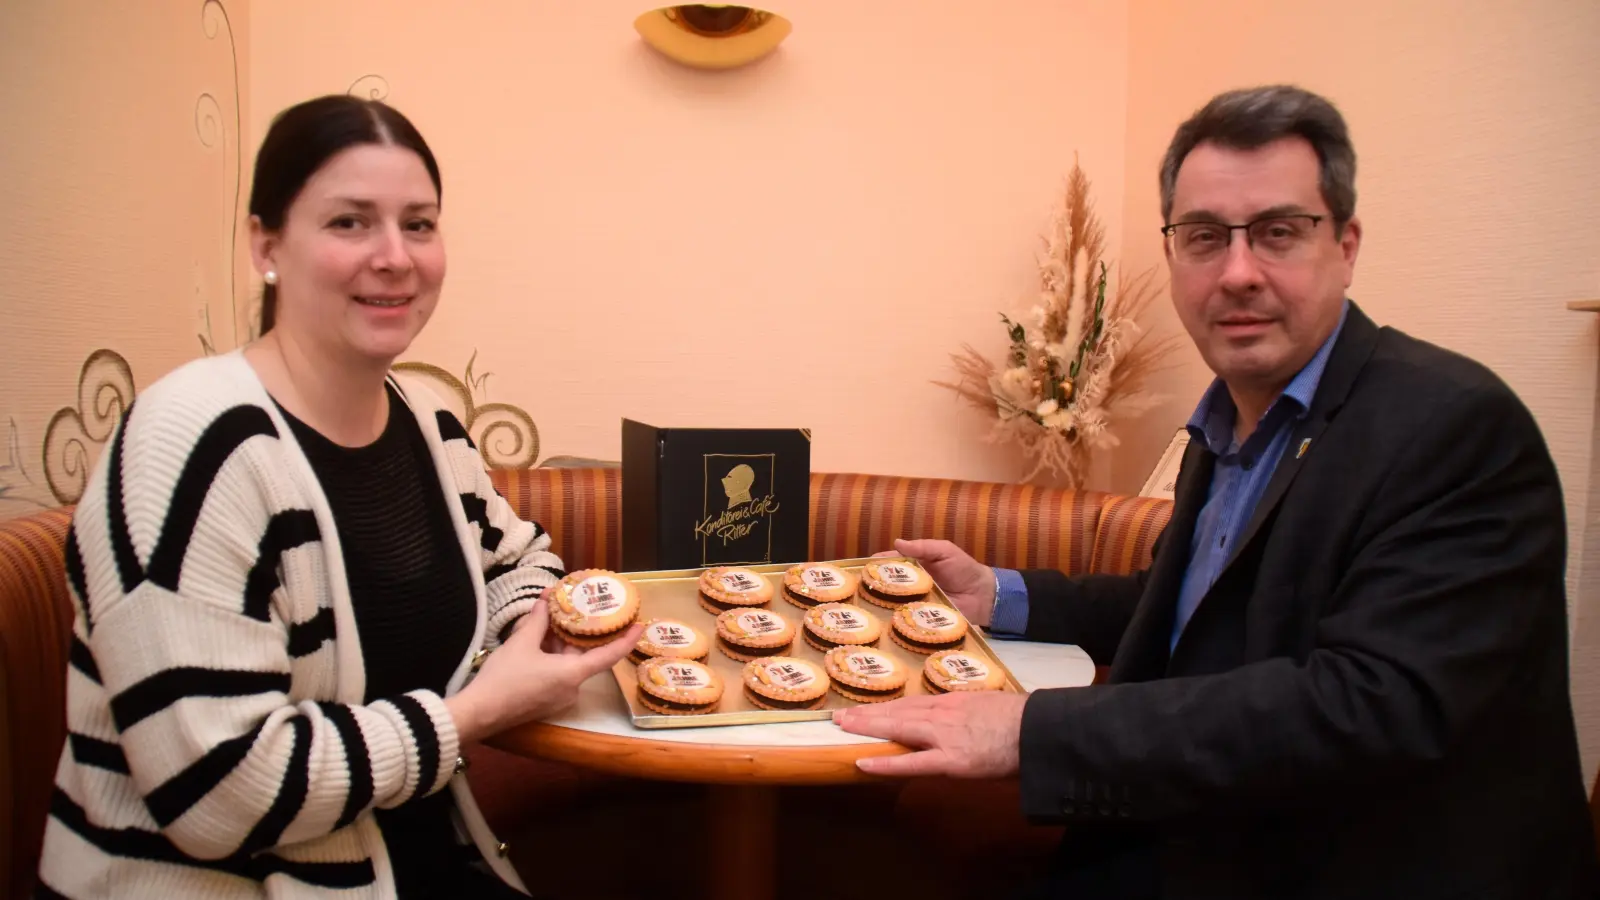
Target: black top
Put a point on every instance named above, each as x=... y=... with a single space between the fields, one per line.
x=413 y=601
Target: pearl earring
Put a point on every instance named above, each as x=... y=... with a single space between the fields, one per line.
x=270 y=278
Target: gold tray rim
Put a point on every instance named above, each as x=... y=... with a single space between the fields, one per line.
x=645 y=718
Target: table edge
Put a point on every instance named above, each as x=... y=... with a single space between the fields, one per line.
x=660 y=760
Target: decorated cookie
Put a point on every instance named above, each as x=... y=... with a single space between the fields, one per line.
x=865 y=675
x=893 y=583
x=747 y=634
x=725 y=588
x=784 y=682
x=830 y=624
x=958 y=670
x=925 y=626
x=678 y=686
x=589 y=607
x=671 y=638
x=809 y=584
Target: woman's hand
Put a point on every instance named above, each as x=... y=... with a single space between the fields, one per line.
x=531 y=676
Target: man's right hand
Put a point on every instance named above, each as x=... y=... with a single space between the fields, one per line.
x=968 y=583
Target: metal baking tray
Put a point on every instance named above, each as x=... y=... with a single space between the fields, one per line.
x=675 y=594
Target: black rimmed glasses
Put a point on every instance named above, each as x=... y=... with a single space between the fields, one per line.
x=1285 y=238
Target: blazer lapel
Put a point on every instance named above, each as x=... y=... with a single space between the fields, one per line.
x=1142 y=654
x=1350 y=354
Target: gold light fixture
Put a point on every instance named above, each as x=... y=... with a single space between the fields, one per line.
x=712 y=35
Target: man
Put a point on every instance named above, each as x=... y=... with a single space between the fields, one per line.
x=1344 y=674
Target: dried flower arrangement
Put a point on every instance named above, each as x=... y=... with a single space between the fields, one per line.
x=1081 y=362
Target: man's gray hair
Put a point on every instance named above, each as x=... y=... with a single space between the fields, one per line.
x=1253 y=117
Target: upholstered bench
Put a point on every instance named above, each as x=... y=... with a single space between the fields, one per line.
x=1019 y=526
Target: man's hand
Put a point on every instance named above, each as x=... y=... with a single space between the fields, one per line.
x=968 y=583
x=967 y=735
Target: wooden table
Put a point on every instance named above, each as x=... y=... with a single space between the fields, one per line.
x=743 y=766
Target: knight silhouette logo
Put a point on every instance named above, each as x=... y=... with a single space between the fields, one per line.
x=739 y=511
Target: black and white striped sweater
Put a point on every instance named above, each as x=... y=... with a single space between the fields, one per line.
x=218 y=745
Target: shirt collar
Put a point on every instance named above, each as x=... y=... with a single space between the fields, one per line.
x=1212 y=422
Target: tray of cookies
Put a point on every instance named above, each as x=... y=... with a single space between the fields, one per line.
x=746 y=645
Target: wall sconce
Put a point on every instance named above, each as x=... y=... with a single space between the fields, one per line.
x=712 y=35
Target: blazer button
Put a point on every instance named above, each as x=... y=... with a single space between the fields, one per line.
x=462 y=764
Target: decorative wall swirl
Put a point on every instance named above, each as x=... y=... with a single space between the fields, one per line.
x=16 y=482
x=369 y=87
x=105 y=390
x=211 y=128
x=505 y=434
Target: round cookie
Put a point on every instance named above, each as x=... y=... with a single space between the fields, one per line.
x=670 y=638
x=926 y=627
x=678 y=687
x=865 y=675
x=809 y=584
x=784 y=682
x=724 y=588
x=830 y=624
x=893 y=583
x=957 y=670
x=746 y=634
x=588 y=607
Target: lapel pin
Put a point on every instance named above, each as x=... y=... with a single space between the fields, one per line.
x=1303 y=446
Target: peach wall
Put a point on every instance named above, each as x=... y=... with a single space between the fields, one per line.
x=114 y=213
x=799 y=243
x=1477 y=126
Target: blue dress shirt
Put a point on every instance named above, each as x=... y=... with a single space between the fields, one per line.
x=1239 y=477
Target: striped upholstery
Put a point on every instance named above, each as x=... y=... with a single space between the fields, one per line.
x=581 y=508
x=1128 y=529
x=1008 y=525
x=1018 y=526
x=851 y=515
x=35 y=630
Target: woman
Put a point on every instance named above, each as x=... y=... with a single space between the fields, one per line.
x=285 y=565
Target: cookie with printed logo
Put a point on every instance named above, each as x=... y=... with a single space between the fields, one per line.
x=678 y=687
x=785 y=683
x=746 y=634
x=832 y=624
x=809 y=584
x=894 y=583
x=670 y=638
x=726 y=588
x=865 y=675
x=590 y=607
x=927 y=627
x=958 y=670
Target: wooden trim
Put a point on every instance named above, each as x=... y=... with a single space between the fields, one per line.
x=695 y=763
x=1584 y=305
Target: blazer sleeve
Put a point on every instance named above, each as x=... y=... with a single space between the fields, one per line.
x=1091 y=611
x=1457 y=577
x=174 y=559
x=516 y=558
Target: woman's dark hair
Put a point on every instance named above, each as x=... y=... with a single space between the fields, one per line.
x=302 y=139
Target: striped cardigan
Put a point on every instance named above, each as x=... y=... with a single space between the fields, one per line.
x=218 y=742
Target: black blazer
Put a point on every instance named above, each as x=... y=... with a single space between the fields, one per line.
x=1372 y=700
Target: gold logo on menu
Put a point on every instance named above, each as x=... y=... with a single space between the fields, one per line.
x=735 y=527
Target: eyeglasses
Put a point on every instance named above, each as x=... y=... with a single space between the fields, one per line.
x=1272 y=239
